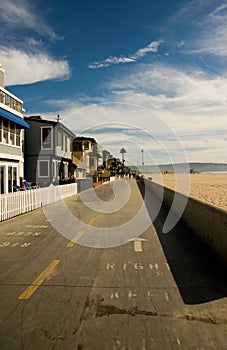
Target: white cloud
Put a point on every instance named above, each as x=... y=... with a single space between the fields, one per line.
x=27 y=68
x=23 y=54
x=158 y=101
x=152 y=47
x=20 y=14
x=206 y=21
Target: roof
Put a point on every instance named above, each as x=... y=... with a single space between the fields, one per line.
x=84 y=138
x=39 y=119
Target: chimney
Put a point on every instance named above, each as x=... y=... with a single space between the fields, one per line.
x=2 y=77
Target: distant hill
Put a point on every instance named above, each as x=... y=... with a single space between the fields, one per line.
x=195 y=167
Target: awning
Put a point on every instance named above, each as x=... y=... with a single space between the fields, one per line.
x=14 y=118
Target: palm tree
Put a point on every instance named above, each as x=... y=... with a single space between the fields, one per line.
x=123 y=151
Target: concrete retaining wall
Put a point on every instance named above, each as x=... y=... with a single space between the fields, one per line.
x=84 y=184
x=207 y=221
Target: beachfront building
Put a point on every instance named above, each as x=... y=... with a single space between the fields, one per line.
x=106 y=155
x=87 y=154
x=12 y=125
x=95 y=157
x=48 y=154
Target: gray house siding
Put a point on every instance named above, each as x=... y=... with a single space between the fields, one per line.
x=33 y=139
x=30 y=172
x=47 y=158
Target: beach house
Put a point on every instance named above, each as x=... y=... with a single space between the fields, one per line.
x=48 y=152
x=12 y=125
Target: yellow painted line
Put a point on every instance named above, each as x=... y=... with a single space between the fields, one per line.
x=91 y=221
x=75 y=239
x=79 y=234
x=39 y=280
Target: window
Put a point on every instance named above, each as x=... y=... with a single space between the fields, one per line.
x=66 y=171
x=12 y=134
x=18 y=131
x=2 y=97
x=43 y=168
x=66 y=144
x=92 y=162
x=7 y=99
x=58 y=166
x=86 y=145
x=14 y=175
x=2 y=179
x=9 y=133
x=46 y=137
x=5 y=131
x=60 y=139
x=10 y=179
x=77 y=146
x=10 y=101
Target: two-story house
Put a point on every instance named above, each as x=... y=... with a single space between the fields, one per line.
x=48 y=155
x=87 y=154
x=12 y=125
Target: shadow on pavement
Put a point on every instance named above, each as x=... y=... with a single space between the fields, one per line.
x=200 y=276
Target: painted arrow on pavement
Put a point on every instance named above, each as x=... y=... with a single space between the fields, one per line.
x=138 y=243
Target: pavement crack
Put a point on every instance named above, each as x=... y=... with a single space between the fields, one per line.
x=48 y=335
x=107 y=310
x=203 y=319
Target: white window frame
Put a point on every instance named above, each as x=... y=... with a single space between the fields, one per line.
x=44 y=176
x=51 y=137
x=2 y=141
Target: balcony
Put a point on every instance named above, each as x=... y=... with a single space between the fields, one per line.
x=13 y=103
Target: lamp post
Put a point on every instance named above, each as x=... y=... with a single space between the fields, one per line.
x=142 y=151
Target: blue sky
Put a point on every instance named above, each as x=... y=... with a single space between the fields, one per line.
x=145 y=74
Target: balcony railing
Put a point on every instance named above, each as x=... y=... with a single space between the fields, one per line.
x=10 y=100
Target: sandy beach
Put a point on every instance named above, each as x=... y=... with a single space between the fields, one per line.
x=208 y=187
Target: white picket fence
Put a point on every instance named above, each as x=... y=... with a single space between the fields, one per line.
x=16 y=203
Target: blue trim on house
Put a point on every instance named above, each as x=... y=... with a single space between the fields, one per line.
x=14 y=118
